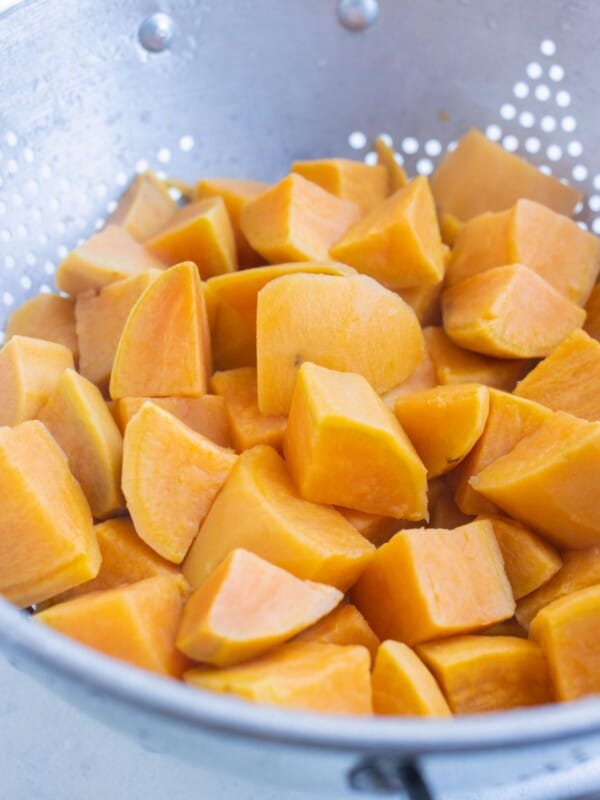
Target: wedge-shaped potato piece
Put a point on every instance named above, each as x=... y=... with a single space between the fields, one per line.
x=100 y=319
x=144 y=208
x=454 y=364
x=200 y=232
x=46 y=316
x=529 y=561
x=246 y=607
x=205 y=415
x=29 y=372
x=450 y=227
x=374 y=527
x=302 y=675
x=479 y=175
x=338 y=412
x=344 y=625
x=551 y=481
x=509 y=312
x=171 y=475
x=488 y=673
x=551 y=245
x=403 y=685
x=425 y=301
x=231 y=303
x=427 y=583
x=296 y=220
x=351 y=324
x=235 y=194
x=237 y=388
x=47 y=542
x=424 y=377
x=398 y=242
x=106 y=257
x=355 y=181
x=396 y=174
x=509 y=420
x=592 y=308
x=77 y=416
x=443 y=511
x=580 y=569
x=136 y=623
x=164 y=349
x=311 y=541
x=558 y=383
x=568 y=631
x=457 y=415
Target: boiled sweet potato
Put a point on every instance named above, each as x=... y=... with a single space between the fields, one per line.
x=46 y=316
x=144 y=208
x=396 y=174
x=364 y=185
x=374 y=527
x=592 y=308
x=344 y=625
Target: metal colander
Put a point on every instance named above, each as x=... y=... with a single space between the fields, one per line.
x=91 y=92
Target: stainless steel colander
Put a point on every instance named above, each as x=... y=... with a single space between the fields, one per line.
x=91 y=92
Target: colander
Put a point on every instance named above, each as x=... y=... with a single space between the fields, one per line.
x=91 y=92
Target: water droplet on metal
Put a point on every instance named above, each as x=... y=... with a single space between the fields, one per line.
x=357 y=15
x=156 y=32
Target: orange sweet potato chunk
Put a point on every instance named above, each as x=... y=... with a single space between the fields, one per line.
x=108 y=256
x=508 y=312
x=338 y=412
x=402 y=684
x=374 y=527
x=47 y=542
x=592 y=307
x=77 y=416
x=488 y=673
x=136 y=623
x=350 y=324
x=450 y=227
x=296 y=220
x=423 y=377
x=455 y=414
x=29 y=372
x=164 y=349
x=429 y=583
x=551 y=481
x=238 y=389
x=171 y=475
x=311 y=541
x=568 y=631
x=200 y=232
x=344 y=625
x=398 y=243
x=302 y=675
x=46 y=316
x=396 y=174
x=556 y=383
x=246 y=607
x=359 y=183
x=144 y=208
x=479 y=175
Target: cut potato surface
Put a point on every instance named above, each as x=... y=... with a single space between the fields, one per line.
x=362 y=184
x=344 y=625
x=144 y=208
x=46 y=316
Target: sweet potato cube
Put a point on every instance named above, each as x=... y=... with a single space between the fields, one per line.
x=47 y=542
x=200 y=232
x=359 y=183
x=136 y=623
x=303 y=675
x=46 y=316
x=457 y=415
x=396 y=174
x=428 y=583
x=29 y=372
x=311 y=541
x=509 y=312
x=246 y=607
x=374 y=527
x=296 y=220
x=580 y=569
x=403 y=685
x=479 y=175
x=488 y=673
x=344 y=625
x=338 y=412
x=351 y=324
x=398 y=242
x=100 y=319
x=568 y=631
x=592 y=308
x=235 y=194
x=551 y=481
x=568 y=379
x=77 y=416
x=237 y=387
x=144 y=208
x=423 y=377
x=108 y=256
x=164 y=349
x=529 y=561
x=171 y=475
